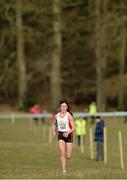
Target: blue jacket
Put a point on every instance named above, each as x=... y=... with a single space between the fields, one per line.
x=99 y=134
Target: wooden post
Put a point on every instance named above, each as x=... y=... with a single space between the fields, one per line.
x=44 y=132
x=50 y=134
x=74 y=139
x=91 y=143
x=31 y=123
x=12 y=117
x=105 y=145
x=81 y=144
x=121 y=149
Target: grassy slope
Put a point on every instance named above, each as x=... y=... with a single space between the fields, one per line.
x=26 y=153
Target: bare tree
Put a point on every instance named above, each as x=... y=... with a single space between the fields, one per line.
x=100 y=25
x=56 y=54
x=122 y=62
x=22 y=86
x=90 y=7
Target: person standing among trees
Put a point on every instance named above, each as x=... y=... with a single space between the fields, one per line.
x=80 y=125
x=99 y=138
x=63 y=126
x=92 y=111
x=35 y=110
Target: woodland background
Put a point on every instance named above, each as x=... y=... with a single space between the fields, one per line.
x=74 y=49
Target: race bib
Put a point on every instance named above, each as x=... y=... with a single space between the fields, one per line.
x=62 y=126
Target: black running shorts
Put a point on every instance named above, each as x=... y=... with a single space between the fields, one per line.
x=68 y=139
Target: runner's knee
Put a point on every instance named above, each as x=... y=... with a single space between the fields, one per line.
x=68 y=157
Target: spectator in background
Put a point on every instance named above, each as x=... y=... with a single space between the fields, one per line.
x=99 y=138
x=35 y=110
x=80 y=125
x=92 y=111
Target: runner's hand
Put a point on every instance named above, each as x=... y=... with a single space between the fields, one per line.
x=65 y=134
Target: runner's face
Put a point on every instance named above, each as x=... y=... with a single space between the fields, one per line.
x=63 y=107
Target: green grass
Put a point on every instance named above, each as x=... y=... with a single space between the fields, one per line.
x=25 y=153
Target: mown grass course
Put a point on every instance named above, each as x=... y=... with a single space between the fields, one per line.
x=26 y=153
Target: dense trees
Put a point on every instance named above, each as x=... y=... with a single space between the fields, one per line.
x=21 y=64
x=74 y=49
x=56 y=54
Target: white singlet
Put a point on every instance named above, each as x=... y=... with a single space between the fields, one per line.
x=63 y=123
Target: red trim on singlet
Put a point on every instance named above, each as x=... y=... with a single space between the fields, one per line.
x=70 y=126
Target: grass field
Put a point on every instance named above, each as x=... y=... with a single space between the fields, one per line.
x=25 y=153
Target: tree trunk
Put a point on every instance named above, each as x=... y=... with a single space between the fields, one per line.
x=122 y=64
x=90 y=7
x=56 y=55
x=100 y=53
x=22 y=85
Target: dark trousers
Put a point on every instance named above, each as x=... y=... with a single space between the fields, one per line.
x=78 y=140
x=100 y=151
